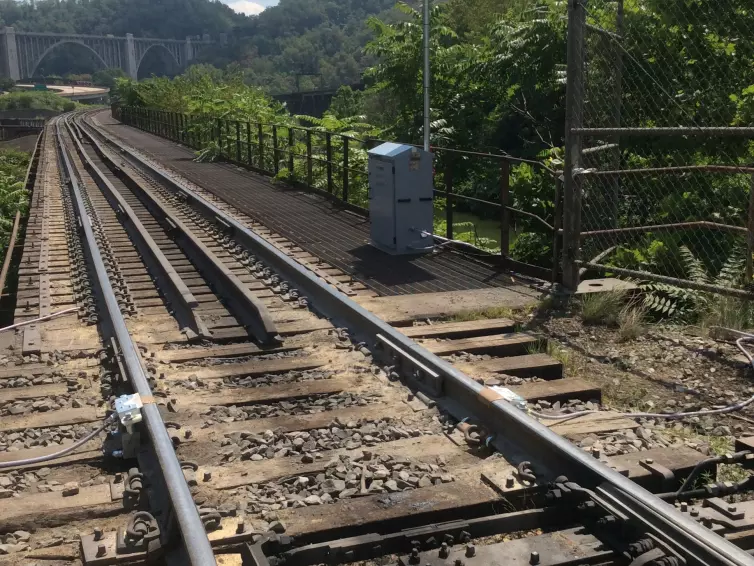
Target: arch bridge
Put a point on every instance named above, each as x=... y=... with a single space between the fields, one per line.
x=22 y=52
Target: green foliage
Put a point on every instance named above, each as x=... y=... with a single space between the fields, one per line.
x=108 y=77
x=347 y=102
x=6 y=83
x=668 y=301
x=13 y=196
x=35 y=100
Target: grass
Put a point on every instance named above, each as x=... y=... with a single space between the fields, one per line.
x=631 y=322
x=602 y=308
x=727 y=312
x=484 y=314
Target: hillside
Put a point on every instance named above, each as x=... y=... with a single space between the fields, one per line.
x=324 y=37
x=166 y=18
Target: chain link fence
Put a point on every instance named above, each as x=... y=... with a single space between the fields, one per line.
x=660 y=167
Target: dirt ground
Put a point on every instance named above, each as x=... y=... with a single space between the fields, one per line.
x=666 y=369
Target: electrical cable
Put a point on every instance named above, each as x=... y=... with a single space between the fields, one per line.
x=704 y=413
x=109 y=420
x=40 y=319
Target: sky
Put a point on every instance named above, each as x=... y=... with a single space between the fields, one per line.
x=250 y=7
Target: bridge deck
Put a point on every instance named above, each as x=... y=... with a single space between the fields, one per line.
x=338 y=237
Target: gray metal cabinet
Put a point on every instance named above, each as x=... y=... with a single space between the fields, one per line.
x=400 y=198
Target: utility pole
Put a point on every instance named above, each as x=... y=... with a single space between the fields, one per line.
x=426 y=75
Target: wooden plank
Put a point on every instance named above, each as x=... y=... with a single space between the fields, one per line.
x=603 y=421
x=53 y=418
x=405 y=309
x=531 y=365
x=424 y=448
x=42 y=506
x=559 y=390
x=90 y=451
x=288 y=423
x=467 y=329
x=501 y=345
x=33 y=392
x=421 y=504
x=269 y=393
x=253 y=368
x=680 y=459
x=227 y=351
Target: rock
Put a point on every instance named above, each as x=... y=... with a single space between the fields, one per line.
x=71 y=488
x=392 y=486
x=22 y=536
x=76 y=404
x=5 y=481
x=425 y=481
x=588 y=442
x=313 y=500
x=644 y=433
x=346 y=493
x=277 y=527
x=6 y=493
x=11 y=548
x=333 y=486
x=721 y=431
x=307 y=459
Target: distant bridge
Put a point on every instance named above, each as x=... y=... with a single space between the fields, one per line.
x=22 y=52
x=313 y=102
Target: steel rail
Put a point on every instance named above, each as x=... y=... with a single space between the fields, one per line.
x=250 y=311
x=463 y=396
x=184 y=302
x=193 y=534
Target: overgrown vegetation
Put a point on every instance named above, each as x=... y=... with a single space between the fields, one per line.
x=602 y=308
x=35 y=100
x=13 y=195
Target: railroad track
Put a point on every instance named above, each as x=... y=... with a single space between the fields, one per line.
x=278 y=421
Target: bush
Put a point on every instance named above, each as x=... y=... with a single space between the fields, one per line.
x=36 y=100
x=602 y=308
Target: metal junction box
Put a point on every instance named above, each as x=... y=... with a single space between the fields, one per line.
x=400 y=199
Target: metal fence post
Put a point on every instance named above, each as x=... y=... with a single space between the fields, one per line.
x=291 y=142
x=557 y=224
x=238 y=141
x=750 y=235
x=275 y=156
x=328 y=142
x=345 y=169
x=248 y=142
x=505 y=215
x=449 y=200
x=309 y=162
x=574 y=119
x=260 y=135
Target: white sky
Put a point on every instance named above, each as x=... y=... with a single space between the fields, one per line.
x=250 y=7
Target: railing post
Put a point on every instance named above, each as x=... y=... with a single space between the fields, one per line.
x=505 y=214
x=449 y=200
x=291 y=141
x=574 y=119
x=328 y=142
x=260 y=134
x=345 y=169
x=557 y=224
x=309 y=161
x=750 y=234
x=238 y=141
x=248 y=142
x=219 y=135
x=276 y=165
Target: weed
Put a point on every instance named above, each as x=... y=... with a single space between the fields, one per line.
x=602 y=308
x=732 y=472
x=631 y=322
x=483 y=314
